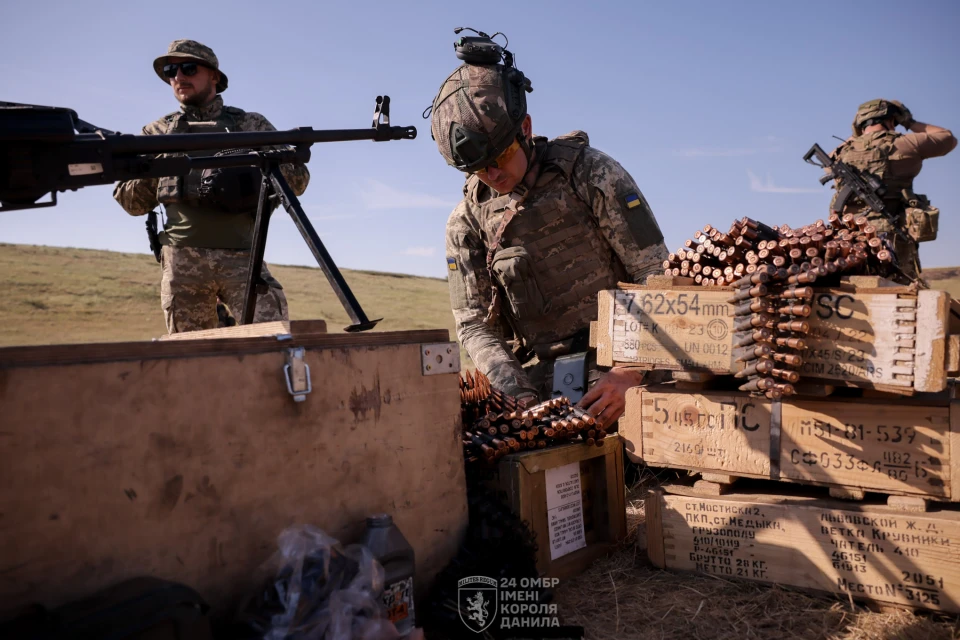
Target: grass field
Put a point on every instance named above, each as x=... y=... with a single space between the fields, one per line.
x=55 y=295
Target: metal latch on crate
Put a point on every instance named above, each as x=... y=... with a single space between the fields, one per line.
x=443 y=357
x=297 y=374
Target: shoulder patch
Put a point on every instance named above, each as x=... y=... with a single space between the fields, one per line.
x=452 y=264
x=631 y=200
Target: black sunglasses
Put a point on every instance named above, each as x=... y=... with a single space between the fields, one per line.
x=188 y=68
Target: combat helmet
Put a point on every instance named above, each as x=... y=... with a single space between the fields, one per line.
x=873 y=111
x=481 y=106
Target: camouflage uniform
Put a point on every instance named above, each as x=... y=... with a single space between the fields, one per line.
x=206 y=252
x=896 y=159
x=581 y=225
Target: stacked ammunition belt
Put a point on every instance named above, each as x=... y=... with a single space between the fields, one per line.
x=771 y=269
x=848 y=244
x=495 y=424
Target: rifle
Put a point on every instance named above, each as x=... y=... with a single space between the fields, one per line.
x=44 y=150
x=865 y=186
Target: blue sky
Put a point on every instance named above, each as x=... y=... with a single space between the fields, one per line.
x=709 y=105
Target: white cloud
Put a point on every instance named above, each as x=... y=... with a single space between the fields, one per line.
x=378 y=195
x=420 y=252
x=760 y=186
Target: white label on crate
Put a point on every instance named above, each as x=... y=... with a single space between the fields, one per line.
x=565 y=510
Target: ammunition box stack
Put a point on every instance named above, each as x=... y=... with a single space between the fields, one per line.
x=802 y=376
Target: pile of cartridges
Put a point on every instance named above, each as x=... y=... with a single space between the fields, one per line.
x=494 y=423
x=770 y=267
x=848 y=245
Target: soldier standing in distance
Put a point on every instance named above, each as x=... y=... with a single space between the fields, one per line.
x=543 y=226
x=896 y=159
x=208 y=232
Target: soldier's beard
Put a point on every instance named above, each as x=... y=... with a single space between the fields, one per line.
x=199 y=99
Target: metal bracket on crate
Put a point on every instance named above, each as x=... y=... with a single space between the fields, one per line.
x=442 y=357
x=297 y=374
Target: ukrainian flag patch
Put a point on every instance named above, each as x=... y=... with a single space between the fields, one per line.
x=452 y=264
x=632 y=200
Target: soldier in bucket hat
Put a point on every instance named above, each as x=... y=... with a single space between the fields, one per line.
x=207 y=234
x=543 y=226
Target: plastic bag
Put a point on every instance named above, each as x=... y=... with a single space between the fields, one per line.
x=319 y=590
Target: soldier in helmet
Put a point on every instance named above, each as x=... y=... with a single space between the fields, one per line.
x=543 y=226
x=896 y=159
x=208 y=231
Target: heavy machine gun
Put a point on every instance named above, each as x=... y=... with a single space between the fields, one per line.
x=45 y=150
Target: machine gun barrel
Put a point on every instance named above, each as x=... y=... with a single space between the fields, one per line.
x=49 y=149
x=187 y=142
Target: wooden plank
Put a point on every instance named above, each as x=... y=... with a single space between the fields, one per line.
x=722 y=432
x=954 y=447
x=933 y=309
x=858 y=551
x=912 y=504
x=881 y=447
x=719 y=478
x=67 y=354
x=258 y=329
x=189 y=468
x=592 y=341
x=867 y=282
x=952 y=364
x=847 y=493
x=631 y=424
x=669 y=281
x=605 y=301
x=654 y=523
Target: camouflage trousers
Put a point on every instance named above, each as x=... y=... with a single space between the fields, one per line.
x=192 y=278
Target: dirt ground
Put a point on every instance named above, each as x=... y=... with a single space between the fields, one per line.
x=623 y=596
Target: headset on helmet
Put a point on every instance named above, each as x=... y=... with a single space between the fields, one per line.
x=468 y=149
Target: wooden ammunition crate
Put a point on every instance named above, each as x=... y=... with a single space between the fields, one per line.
x=868 y=552
x=902 y=448
x=884 y=337
x=186 y=458
x=541 y=488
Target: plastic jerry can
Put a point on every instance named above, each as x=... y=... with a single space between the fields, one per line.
x=395 y=554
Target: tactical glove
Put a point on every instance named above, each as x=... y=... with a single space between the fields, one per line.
x=904 y=118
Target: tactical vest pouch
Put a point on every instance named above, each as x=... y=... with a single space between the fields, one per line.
x=169 y=189
x=513 y=269
x=923 y=224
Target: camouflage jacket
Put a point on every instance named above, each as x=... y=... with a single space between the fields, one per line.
x=620 y=230
x=138 y=197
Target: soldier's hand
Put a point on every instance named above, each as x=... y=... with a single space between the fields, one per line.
x=607 y=400
x=904 y=118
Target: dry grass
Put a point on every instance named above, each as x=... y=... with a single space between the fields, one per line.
x=623 y=597
x=61 y=296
